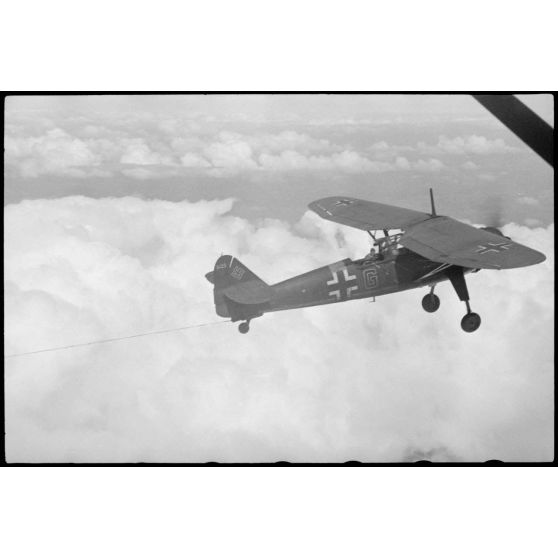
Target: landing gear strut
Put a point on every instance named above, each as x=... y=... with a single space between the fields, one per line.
x=470 y=321
x=431 y=302
x=244 y=327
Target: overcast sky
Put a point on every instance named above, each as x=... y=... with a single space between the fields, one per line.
x=115 y=207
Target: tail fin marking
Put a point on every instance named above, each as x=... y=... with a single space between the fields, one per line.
x=237 y=290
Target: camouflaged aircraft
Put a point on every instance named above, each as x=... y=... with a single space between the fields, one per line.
x=426 y=249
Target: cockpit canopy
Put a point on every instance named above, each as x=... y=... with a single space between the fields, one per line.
x=386 y=246
x=389 y=243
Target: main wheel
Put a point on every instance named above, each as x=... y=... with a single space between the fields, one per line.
x=431 y=302
x=244 y=327
x=470 y=322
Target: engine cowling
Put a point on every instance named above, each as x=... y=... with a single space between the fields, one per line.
x=494 y=230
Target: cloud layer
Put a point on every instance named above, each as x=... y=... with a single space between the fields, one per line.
x=144 y=147
x=371 y=382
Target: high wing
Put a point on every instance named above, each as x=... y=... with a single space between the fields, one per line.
x=438 y=238
x=366 y=215
x=445 y=240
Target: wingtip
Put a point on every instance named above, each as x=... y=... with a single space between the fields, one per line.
x=324 y=203
x=539 y=258
x=320 y=206
x=314 y=205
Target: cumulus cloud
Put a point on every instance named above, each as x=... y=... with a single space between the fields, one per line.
x=347 y=161
x=472 y=144
x=137 y=152
x=55 y=152
x=469 y=165
x=371 y=382
x=168 y=149
x=230 y=153
x=383 y=150
x=284 y=141
x=528 y=200
x=431 y=165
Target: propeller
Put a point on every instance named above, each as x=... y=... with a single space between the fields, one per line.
x=495 y=218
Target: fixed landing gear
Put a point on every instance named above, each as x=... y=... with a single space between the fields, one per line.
x=244 y=327
x=470 y=321
x=431 y=302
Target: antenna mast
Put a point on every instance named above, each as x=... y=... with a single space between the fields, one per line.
x=432 y=203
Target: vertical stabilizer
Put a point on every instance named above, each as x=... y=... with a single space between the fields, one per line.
x=238 y=292
x=229 y=271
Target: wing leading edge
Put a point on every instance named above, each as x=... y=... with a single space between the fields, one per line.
x=366 y=215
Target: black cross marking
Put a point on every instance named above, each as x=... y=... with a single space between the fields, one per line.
x=493 y=247
x=344 y=282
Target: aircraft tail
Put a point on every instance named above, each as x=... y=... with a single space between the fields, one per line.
x=238 y=293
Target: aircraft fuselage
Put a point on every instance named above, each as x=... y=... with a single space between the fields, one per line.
x=354 y=279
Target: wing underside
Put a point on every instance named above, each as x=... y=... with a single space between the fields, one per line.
x=366 y=215
x=437 y=238
x=445 y=240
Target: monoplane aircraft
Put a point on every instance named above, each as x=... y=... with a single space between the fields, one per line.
x=424 y=250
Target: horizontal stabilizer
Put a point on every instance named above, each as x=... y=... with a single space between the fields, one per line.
x=250 y=292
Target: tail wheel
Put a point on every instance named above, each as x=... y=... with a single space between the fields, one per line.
x=431 y=302
x=244 y=327
x=470 y=322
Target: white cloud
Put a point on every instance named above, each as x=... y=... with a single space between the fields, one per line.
x=431 y=165
x=402 y=163
x=194 y=160
x=346 y=161
x=278 y=142
x=472 y=144
x=170 y=147
x=528 y=200
x=55 y=152
x=290 y=140
x=372 y=382
x=127 y=145
x=137 y=152
x=150 y=172
x=469 y=165
x=382 y=150
x=380 y=146
x=230 y=154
